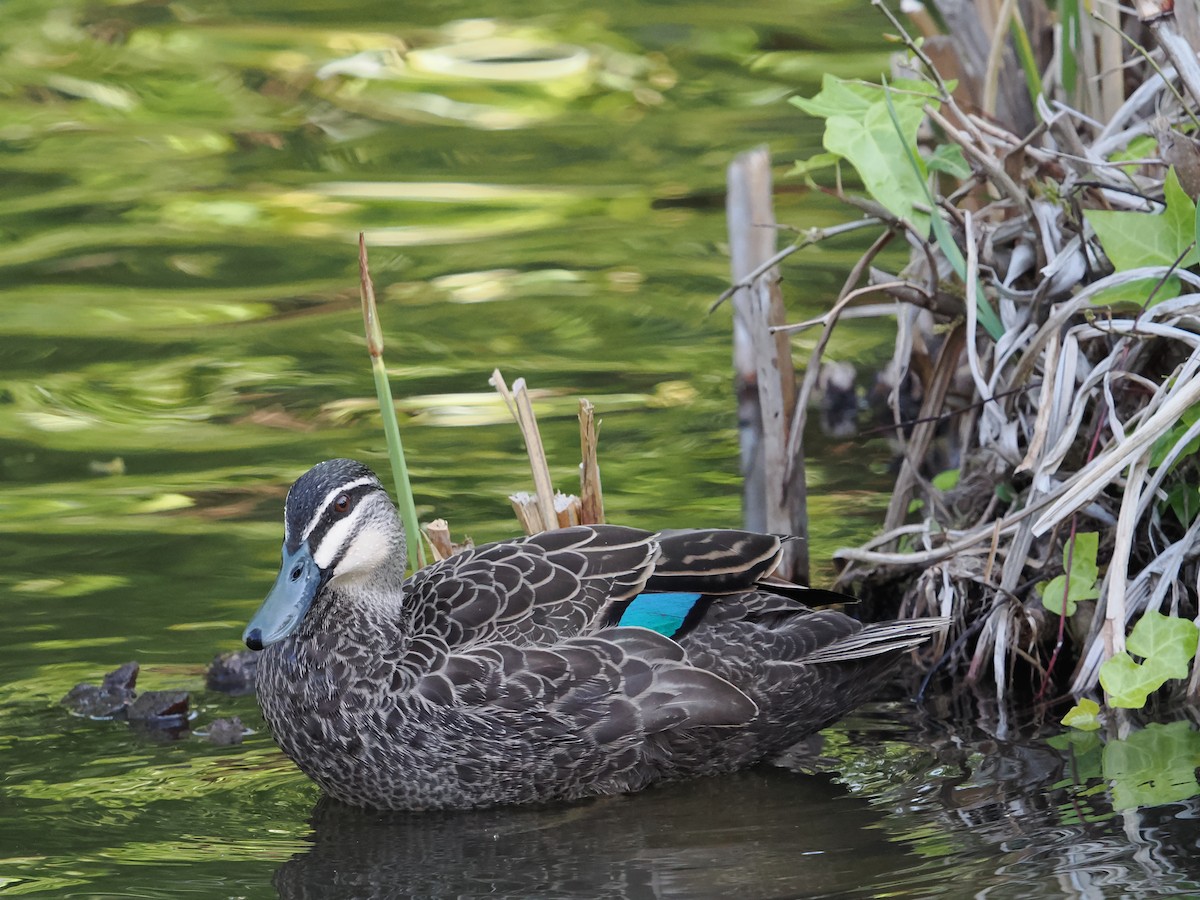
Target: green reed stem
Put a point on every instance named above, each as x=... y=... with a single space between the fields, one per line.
x=387 y=408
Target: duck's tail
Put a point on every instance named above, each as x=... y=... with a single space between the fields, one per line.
x=874 y=640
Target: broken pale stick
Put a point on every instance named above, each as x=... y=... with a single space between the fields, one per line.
x=542 y=505
x=590 y=494
x=437 y=533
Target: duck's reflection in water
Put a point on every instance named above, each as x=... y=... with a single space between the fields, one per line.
x=762 y=833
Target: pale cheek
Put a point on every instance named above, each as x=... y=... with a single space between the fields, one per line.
x=366 y=554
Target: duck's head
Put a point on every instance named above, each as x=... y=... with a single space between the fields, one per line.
x=341 y=532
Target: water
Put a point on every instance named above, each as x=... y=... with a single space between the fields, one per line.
x=179 y=338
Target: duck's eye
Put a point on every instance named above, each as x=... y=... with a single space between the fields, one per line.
x=341 y=505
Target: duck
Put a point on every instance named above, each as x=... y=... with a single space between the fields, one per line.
x=574 y=663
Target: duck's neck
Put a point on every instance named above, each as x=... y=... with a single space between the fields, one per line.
x=372 y=605
x=381 y=594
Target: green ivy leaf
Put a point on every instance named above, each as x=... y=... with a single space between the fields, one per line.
x=838 y=97
x=1084 y=575
x=1166 y=643
x=815 y=163
x=949 y=158
x=876 y=150
x=1180 y=216
x=1127 y=684
x=1184 y=501
x=860 y=129
x=1084 y=715
x=1153 y=766
x=946 y=481
x=1137 y=293
x=1163 y=445
x=1134 y=239
x=874 y=127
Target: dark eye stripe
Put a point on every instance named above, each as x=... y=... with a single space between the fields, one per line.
x=329 y=515
x=304 y=498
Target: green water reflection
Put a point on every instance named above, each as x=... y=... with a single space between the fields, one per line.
x=180 y=190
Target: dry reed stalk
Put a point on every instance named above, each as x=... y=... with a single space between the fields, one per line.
x=1086 y=484
x=546 y=508
x=916 y=446
x=591 y=494
x=521 y=407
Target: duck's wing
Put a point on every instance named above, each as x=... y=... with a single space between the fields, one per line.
x=532 y=591
x=609 y=690
x=715 y=560
x=696 y=568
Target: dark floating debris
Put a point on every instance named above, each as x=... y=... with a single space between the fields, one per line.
x=166 y=712
x=108 y=700
x=226 y=732
x=160 y=709
x=115 y=698
x=233 y=672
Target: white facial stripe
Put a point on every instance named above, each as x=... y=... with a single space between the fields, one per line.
x=329 y=498
x=334 y=539
x=352 y=547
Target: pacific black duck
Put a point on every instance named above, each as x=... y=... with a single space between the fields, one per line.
x=583 y=661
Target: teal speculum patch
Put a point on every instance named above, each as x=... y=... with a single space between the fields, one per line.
x=664 y=613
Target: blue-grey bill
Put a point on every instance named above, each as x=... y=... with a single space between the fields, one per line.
x=290 y=597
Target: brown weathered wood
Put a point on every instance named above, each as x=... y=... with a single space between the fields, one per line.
x=525 y=505
x=567 y=508
x=590 y=494
x=764 y=377
x=437 y=533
